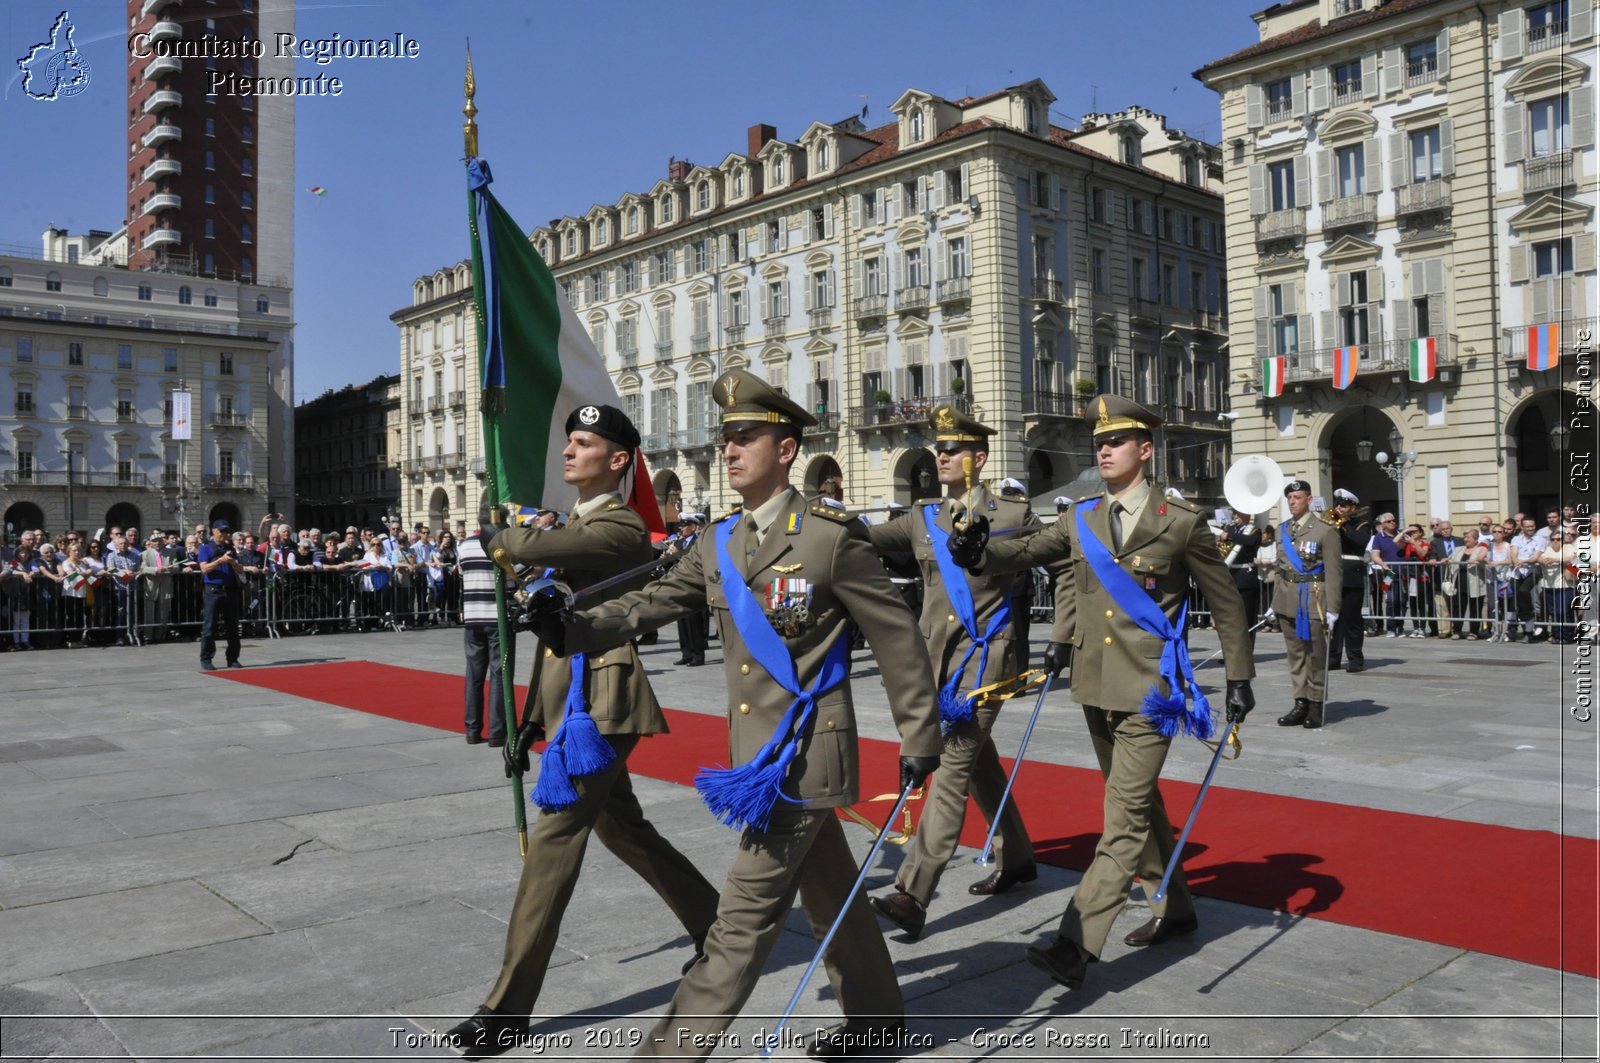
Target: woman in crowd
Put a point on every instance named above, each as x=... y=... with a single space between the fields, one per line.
x=1558 y=580
x=1502 y=565
x=1473 y=559
x=19 y=573
x=375 y=572
x=47 y=598
x=442 y=577
x=78 y=575
x=1419 y=580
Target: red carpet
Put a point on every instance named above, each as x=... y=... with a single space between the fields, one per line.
x=1527 y=895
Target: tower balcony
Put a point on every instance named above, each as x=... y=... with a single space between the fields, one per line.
x=162 y=99
x=152 y=6
x=161 y=168
x=162 y=64
x=162 y=133
x=163 y=201
x=166 y=30
x=159 y=237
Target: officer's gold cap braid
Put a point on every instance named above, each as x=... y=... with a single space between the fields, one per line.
x=1117 y=414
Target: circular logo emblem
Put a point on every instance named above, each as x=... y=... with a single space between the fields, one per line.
x=589 y=414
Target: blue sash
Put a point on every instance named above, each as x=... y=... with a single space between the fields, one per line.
x=1302 y=610
x=955 y=707
x=1170 y=713
x=744 y=796
x=577 y=749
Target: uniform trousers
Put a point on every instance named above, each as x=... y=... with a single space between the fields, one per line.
x=1349 y=632
x=1138 y=837
x=607 y=807
x=968 y=764
x=803 y=851
x=1308 y=658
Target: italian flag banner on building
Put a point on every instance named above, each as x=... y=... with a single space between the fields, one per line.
x=536 y=361
x=1272 y=370
x=1424 y=360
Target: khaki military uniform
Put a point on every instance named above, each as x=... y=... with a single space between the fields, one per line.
x=1308 y=658
x=969 y=763
x=603 y=538
x=1114 y=664
x=804 y=849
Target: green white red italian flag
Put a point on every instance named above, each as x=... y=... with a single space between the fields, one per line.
x=1272 y=370
x=1424 y=359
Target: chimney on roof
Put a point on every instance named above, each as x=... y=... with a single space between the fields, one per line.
x=678 y=169
x=758 y=136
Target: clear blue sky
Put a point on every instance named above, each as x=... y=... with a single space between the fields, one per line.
x=578 y=103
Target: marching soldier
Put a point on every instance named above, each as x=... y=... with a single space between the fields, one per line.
x=694 y=629
x=968 y=625
x=1310 y=580
x=785 y=579
x=1355 y=532
x=594 y=708
x=1120 y=617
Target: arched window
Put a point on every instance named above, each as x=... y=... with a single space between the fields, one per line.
x=52 y=282
x=666 y=207
x=185 y=295
x=703 y=196
x=777 y=169
x=918 y=125
x=822 y=155
x=101 y=286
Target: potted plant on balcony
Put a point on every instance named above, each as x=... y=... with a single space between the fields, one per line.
x=1083 y=387
x=882 y=397
x=958 y=388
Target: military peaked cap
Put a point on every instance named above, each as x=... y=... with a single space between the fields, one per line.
x=1113 y=413
x=745 y=397
x=950 y=425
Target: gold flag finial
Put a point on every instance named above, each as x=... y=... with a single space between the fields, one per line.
x=470 y=131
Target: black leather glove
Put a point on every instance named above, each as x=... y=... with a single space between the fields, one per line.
x=515 y=752
x=1240 y=700
x=966 y=544
x=914 y=771
x=1057 y=658
x=547 y=616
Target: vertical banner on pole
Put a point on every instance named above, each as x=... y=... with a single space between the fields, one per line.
x=181 y=424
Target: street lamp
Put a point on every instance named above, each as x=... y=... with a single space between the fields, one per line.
x=1395 y=468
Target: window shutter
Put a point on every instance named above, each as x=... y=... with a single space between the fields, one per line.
x=1319 y=90
x=1326 y=161
x=1291 y=299
x=1436 y=311
x=1255 y=107
x=1399 y=160
x=1580 y=21
x=1517 y=267
x=1391 y=70
x=725 y=313
x=810 y=282
x=1538 y=301
x=722 y=250
x=1435 y=286
x=1261 y=298
x=1447 y=147
x=941 y=262
x=1583 y=253
x=1302 y=181
x=1512 y=138
x=1369 y=76
x=1327 y=334
x=784 y=308
x=855 y=211
x=1372 y=157
x=1441 y=49
x=920 y=204
x=1055 y=192
x=888 y=204
x=1375 y=292
x=827 y=221
x=827 y=287
x=766 y=301
x=966 y=180
x=1581 y=104
x=936 y=189
x=1342 y=281
x=1511 y=33
x=1258 y=189
x=1263 y=331
x=1402 y=328
x=1297 y=95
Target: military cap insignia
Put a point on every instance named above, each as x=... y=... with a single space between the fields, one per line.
x=589 y=414
x=943 y=419
x=730 y=384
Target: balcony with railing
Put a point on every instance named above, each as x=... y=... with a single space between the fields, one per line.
x=903 y=412
x=1052 y=404
x=821 y=318
x=827 y=424
x=707 y=435
x=911 y=299
x=435 y=403
x=664 y=351
x=1520 y=342
x=1346 y=91
x=161 y=168
x=1376 y=358
x=733 y=336
x=152 y=6
x=230 y=419
x=1280 y=110
x=1047 y=290
x=162 y=64
x=1548 y=35
x=657 y=442
x=236 y=481
x=158 y=237
x=1286 y=224
x=458 y=398
x=1422 y=73
x=1422 y=196
x=870 y=306
x=166 y=30
x=162 y=201
x=954 y=290
x=700 y=343
x=163 y=98
x=1358 y=209
x=77 y=411
x=776 y=322
x=1547 y=173
x=162 y=133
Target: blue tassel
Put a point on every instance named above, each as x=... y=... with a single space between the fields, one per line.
x=585 y=750
x=1168 y=714
x=955 y=708
x=554 y=790
x=742 y=796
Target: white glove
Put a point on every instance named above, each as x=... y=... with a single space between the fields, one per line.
x=1269 y=614
x=1333 y=618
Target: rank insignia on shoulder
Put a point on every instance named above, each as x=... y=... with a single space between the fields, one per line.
x=839 y=516
x=615 y=505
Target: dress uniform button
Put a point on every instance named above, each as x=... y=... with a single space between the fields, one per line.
x=951 y=618
x=744 y=708
x=549 y=653
x=600 y=661
x=1109 y=614
x=744 y=669
x=831 y=725
x=1108 y=640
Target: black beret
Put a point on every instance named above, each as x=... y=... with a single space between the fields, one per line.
x=1296 y=485
x=607 y=422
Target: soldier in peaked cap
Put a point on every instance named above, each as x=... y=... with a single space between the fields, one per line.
x=969 y=626
x=785 y=579
x=594 y=708
x=1347 y=635
x=1120 y=617
x=1307 y=599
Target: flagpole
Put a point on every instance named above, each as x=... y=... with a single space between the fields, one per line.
x=508 y=684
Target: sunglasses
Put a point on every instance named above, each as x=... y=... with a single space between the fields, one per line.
x=949 y=448
x=1112 y=441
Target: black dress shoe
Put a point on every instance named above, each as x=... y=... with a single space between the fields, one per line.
x=1356 y=666
x=903 y=910
x=497 y=740
x=1000 y=881
x=473 y=738
x=851 y=1038
x=697 y=661
x=1297 y=715
x=1065 y=961
x=1313 y=716
x=1158 y=930
x=681 y=660
x=487 y=1033
x=235 y=664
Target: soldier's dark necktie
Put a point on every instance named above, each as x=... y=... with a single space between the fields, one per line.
x=1115 y=523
